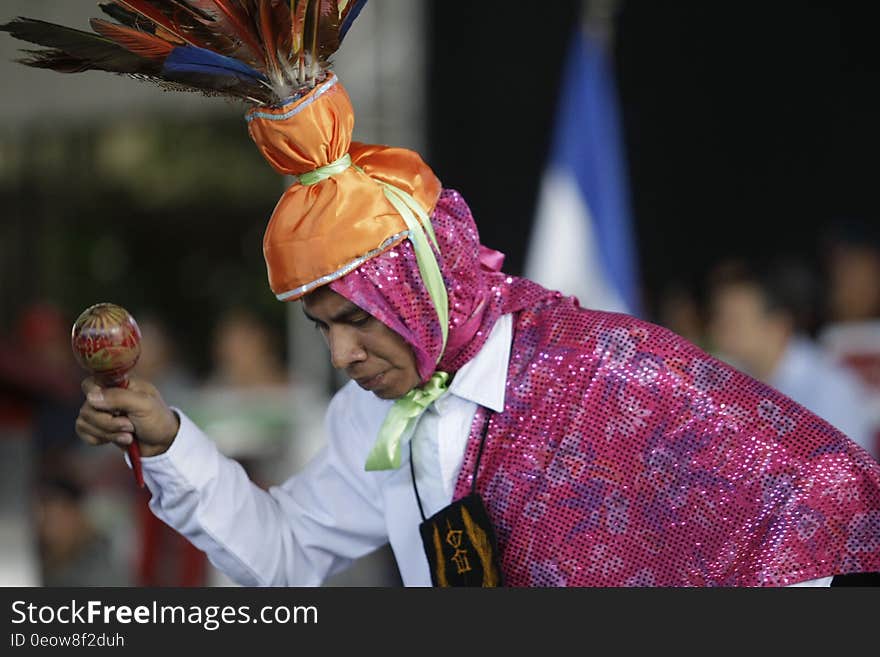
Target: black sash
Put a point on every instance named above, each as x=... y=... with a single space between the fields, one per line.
x=459 y=540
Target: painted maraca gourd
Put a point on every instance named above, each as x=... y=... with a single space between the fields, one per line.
x=106 y=341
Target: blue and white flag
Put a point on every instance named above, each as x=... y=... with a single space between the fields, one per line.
x=582 y=240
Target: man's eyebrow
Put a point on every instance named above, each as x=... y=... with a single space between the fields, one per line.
x=343 y=314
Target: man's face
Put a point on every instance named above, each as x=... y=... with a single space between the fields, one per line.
x=376 y=357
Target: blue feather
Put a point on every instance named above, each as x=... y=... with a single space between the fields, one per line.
x=192 y=59
x=349 y=18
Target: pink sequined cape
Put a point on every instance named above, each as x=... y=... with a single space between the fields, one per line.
x=625 y=455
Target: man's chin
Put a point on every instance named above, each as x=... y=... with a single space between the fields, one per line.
x=386 y=394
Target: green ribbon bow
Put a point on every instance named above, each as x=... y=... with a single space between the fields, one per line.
x=322 y=173
x=401 y=421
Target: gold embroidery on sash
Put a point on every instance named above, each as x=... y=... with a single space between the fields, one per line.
x=441 y=562
x=483 y=548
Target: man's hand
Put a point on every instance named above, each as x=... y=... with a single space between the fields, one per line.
x=117 y=415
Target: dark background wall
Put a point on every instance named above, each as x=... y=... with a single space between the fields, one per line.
x=749 y=126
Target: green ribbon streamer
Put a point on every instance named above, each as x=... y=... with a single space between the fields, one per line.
x=429 y=269
x=402 y=418
x=401 y=421
x=322 y=173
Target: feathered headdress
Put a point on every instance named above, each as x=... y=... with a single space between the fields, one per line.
x=350 y=201
x=263 y=51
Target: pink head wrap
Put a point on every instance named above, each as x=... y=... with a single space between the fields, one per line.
x=390 y=288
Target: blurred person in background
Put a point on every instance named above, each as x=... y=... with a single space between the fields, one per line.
x=246 y=353
x=679 y=311
x=44 y=354
x=851 y=333
x=852 y=260
x=163 y=556
x=39 y=395
x=246 y=391
x=762 y=317
x=38 y=372
x=72 y=550
x=161 y=360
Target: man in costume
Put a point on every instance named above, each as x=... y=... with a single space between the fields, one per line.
x=495 y=432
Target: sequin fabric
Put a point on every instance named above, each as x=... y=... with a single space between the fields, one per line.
x=627 y=456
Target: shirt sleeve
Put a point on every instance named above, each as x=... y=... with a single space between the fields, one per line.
x=296 y=534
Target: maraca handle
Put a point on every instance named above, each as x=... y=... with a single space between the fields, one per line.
x=134 y=455
x=134 y=452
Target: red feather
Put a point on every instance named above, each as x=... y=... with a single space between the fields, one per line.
x=328 y=28
x=172 y=17
x=312 y=33
x=267 y=33
x=140 y=43
x=284 y=35
x=230 y=17
x=147 y=10
x=275 y=32
x=170 y=37
x=192 y=8
x=297 y=30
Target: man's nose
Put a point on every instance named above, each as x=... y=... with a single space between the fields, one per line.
x=345 y=348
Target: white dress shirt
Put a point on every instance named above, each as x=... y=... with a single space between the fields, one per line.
x=333 y=511
x=317 y=522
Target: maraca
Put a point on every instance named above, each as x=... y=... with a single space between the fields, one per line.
x=106 y=341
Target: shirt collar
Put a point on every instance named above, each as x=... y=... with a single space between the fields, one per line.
x=483 y=379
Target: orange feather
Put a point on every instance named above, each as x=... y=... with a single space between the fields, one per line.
x=298 y=27
x=267 y=34
x=140 y=43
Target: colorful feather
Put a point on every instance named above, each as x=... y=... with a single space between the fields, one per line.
x=193 y=8
x=267 y=34
x=328 y=29
x=152 y=13
x=192 y=59
x=348 y=11
x=232 y=19
x=140 y=43
x=298 y=31
x=126 y=17
x=261 y=50
x=73 y=50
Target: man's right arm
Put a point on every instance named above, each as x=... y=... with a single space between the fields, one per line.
x=298 y=533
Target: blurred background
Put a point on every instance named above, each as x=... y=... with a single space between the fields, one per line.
x=706 y=166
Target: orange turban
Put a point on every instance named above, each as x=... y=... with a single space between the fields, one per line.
x=320 y=231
